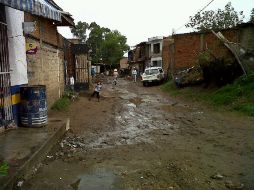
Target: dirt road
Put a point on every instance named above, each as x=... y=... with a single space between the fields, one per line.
x=140 y=138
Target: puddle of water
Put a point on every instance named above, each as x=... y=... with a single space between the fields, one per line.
x=127 y=95
x=100 y=179
x=137 y=101
x=135 y=123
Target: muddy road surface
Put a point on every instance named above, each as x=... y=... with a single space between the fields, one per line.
x=138 y=138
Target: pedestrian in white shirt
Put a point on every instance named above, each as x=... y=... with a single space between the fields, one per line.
x=96 y=91
x=72 y=83
x=115 y=76
x=134 y=74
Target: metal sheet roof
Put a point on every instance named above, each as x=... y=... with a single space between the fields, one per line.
x=37 y=7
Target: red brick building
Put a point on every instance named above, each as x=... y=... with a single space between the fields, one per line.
x=184 y=51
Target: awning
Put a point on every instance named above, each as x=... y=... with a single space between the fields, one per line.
x=37 y=7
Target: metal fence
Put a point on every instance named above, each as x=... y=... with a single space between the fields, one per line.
x=82 y=72
x=5 y=83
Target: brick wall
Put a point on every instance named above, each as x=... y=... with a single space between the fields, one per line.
x=188 y=46
x=167 y=55
x=46 y=67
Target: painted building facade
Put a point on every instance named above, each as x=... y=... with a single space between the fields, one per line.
x=30 y=58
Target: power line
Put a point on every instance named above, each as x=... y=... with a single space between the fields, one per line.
x=206 y=6
x=198 y=12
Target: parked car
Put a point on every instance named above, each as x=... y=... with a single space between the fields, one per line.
x=152 y=75
x=189 y=76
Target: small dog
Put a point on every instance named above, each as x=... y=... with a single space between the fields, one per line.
x=74 y=97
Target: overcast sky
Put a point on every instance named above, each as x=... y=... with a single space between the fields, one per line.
x=139 y=20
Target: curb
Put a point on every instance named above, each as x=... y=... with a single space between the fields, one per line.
x=25 y=170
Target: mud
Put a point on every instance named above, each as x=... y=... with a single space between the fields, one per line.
x=140 y=138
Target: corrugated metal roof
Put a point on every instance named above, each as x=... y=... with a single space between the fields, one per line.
x=37 y=7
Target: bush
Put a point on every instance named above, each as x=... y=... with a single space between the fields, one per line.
x=238 y=96
x=70 y=94
x=61 y=104
x=226 y=95
x=170 y=87
x=4 y=167
x=246 y=108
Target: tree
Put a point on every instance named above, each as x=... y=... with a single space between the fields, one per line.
x=252 y=15
x=96 y=37
x=216 y=20
x=80 y=30
x=106 y=45
x=113 y=47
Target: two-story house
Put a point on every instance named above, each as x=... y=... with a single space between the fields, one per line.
x=155 y=45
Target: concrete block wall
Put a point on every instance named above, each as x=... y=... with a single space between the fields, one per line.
x=46 y=67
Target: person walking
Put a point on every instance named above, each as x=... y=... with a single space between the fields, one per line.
x=134 y=74
x=115 y=76
x=96 y=91
x=115 y=73
x=72 y=83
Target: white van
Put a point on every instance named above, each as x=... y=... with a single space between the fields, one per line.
x=152 y=74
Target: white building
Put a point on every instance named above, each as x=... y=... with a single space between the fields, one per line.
x=155 y=51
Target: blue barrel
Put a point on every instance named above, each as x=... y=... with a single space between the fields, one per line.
x=33 y=108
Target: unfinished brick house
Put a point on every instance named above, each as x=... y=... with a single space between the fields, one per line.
x=185 y=50
x=140 y=56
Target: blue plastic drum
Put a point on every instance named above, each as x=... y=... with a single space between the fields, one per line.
x=33 y=108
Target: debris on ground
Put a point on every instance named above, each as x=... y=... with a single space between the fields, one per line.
x=217 y=176
x=231 y=185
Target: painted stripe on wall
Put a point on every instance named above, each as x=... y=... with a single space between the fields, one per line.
x=15 y=99
x=15 y=91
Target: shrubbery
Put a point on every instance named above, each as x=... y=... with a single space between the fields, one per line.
x=238 y=96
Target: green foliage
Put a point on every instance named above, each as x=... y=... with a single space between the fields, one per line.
x=80 y=30
x=216 y=20
x=107 y=46
x=246 y=80
x=95 y=41
x=246 y=108
x=225 y=95
x=252 y=15
x=61 y=104
x=113 y=47
x=4 y=167
x=70 y=94
x=204 y=58
x=170 y=87
x=238 y=96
